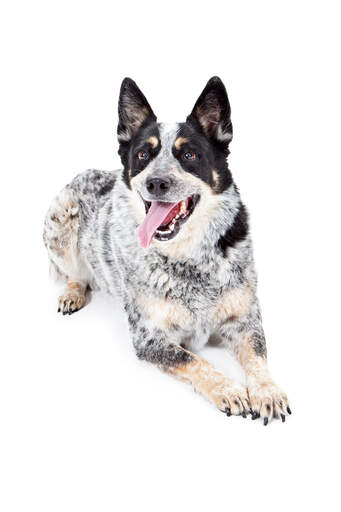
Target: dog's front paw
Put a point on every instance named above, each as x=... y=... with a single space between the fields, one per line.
x=267 y=401
x=231 y=398
x=70 y=302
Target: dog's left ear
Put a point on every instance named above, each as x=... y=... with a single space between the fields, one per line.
x=133 y=111
x=213 y=113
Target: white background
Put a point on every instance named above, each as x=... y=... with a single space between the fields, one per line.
x=84 y=425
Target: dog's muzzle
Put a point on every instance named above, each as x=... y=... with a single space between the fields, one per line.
x=164 y=220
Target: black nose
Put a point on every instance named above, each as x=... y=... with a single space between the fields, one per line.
x=158 y=186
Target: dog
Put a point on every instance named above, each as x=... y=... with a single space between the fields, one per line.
x=169 y=234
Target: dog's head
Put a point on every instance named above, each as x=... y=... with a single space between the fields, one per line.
x=174 y=171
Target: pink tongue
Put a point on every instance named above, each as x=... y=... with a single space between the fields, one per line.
x=154 y=218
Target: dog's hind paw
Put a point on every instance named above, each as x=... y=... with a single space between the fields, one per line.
x=268 y=401
x=70 y=302
x=63 y=208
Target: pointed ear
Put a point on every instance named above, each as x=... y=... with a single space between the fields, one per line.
x=212 y=112
x=133 y=110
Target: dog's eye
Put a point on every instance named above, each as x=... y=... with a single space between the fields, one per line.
x=142 y=155
x=189 y=155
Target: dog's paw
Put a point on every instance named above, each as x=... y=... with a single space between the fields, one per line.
x=267 y=401
x=70 y=302
x=63 y=208
x=231 y=398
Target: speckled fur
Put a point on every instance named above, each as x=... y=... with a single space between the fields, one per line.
x=176 y=294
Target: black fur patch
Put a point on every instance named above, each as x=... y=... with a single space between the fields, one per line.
x=212 y=114
x=136 y=123
x=259 y=345
x=235 y=233
x=128 y=151
x=209 y=156
x=106 y=188
x=133 y=109
x=163 y=354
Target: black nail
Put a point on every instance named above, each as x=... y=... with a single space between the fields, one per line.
x=228 y=411
x=64 y=312
x=58 y=310
x=244 y=414
x=283 y=418
x=255 y=415
x=268 y=407
x=266 y=421
x=289 y=410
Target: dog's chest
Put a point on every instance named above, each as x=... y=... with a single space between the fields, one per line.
x=189 y=291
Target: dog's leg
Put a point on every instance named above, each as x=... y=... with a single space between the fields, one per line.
x=226 y=394
x=160 y=346
x=246 y=340
x=266 y=398
x=61 y=231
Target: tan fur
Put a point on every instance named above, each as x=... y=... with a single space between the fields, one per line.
x=63 y=245
x=73 y=297
x=56 y=246
x=137 y=117
x=214 y=386
x=76 y=287
x=216 y=181
x=235 y=303
x=165 y=313
x=204 y=120
x=154 y=141
x=146 y=112
x=179 y=142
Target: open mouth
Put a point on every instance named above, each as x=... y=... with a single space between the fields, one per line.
x=163 y=221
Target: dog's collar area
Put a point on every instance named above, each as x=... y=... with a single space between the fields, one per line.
x=175 y=219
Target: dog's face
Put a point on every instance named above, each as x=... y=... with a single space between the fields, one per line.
x=175 y=171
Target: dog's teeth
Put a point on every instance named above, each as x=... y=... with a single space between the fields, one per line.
x=166 y=232
x=181 y=215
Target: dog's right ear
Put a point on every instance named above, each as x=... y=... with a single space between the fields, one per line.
x=133 y=111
